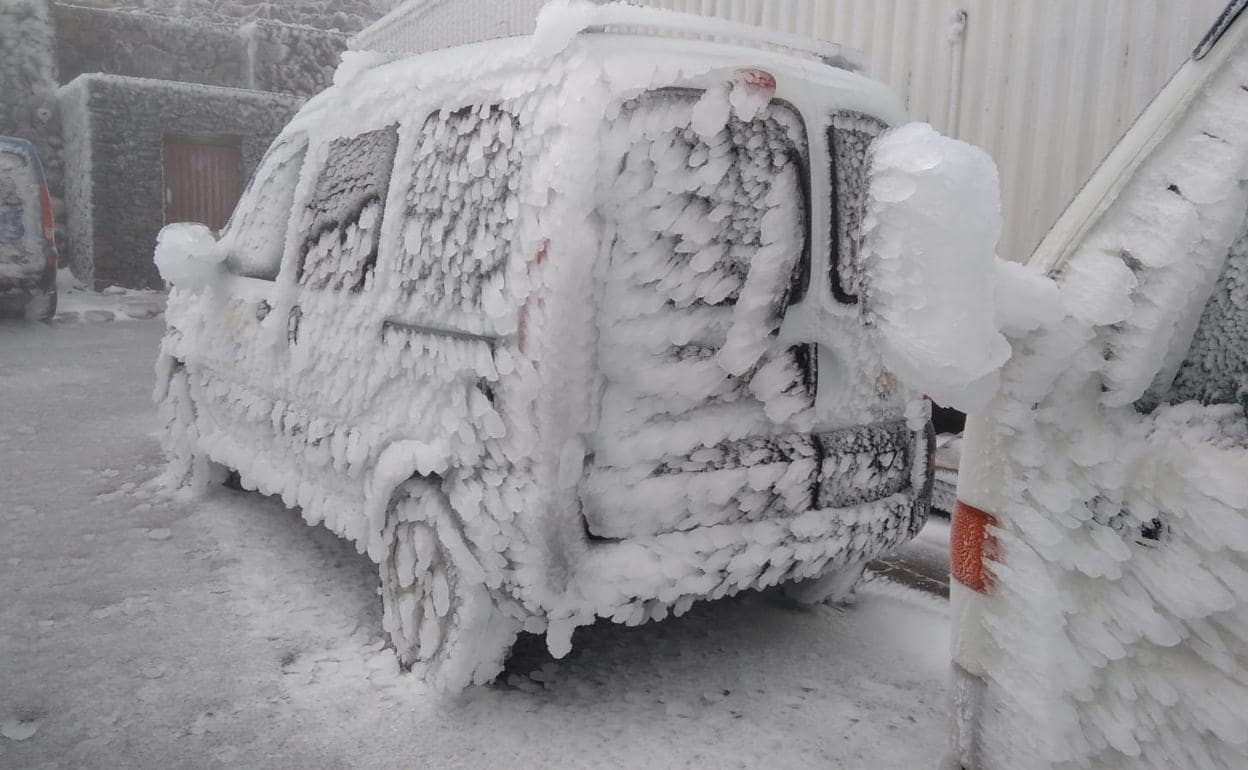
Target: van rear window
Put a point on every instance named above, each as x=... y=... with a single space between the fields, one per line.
x=702 y=209
x=709 y=244
x=849 y=139
x=462 y=207
x=340 y=249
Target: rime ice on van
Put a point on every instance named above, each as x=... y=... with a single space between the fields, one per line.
x=559 y=327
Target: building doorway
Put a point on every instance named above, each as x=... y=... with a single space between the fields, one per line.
x=203 y=179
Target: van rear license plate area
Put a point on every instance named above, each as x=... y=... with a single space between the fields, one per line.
x=853 y=466
x=863 y=464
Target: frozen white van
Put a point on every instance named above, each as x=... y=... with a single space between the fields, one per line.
x=558 y=327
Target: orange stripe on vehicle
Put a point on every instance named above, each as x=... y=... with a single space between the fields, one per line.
x=970 y=544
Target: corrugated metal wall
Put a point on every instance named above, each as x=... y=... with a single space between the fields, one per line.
x=1046 y=86
x=441 y=24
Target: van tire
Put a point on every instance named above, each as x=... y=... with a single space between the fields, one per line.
x=832 y=587
x=41 y=306
x=186 y=466
x=440 y=615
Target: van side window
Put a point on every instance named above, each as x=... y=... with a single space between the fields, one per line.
x=849 y=141
x=462 y=207
x=340 y=245
x=1215 y=369
x=257 y=231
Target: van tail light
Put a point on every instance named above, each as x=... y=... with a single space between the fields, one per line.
x=49 y=225
x=756 y=81
x=522 y=329
x=970 y=544
x=45 y=205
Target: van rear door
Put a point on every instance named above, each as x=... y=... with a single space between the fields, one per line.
x=707 y=234
x=21 y=233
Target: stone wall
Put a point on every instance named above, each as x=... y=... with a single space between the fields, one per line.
x=124 y=122
x=262 y=55
x=139 y=45
x=292 y=60
x=347 y=16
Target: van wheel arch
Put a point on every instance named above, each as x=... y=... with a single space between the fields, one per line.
x=441 y=617
x=187 y=466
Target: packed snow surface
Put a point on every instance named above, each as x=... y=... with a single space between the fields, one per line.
x=156 y=632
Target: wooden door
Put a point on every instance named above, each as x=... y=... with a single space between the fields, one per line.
x=203 y=180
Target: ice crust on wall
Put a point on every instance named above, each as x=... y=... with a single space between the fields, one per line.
x=473 y=327
x=1117 y=632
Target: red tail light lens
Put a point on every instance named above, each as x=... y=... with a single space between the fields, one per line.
x=522 y=331
x=45 y=203
x=970 y=543
x=49 y=225
x=759 y=81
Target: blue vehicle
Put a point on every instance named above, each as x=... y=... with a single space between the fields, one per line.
x=27 y=233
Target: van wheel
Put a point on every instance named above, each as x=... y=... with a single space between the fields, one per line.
x=437 y=610
x=41 y=306
x=186 y=467
x=831 y=587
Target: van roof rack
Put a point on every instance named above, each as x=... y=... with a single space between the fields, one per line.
x=399 y=31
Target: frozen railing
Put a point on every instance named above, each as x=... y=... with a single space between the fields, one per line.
x=424 y=25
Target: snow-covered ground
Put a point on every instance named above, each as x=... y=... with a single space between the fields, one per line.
x=76 y=304
x=140 y=631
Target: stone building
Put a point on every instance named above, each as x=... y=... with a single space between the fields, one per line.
x=145 y=119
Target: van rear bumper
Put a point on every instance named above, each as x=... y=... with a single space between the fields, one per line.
x=643 y=578
x=16 y=294
x=761 y=478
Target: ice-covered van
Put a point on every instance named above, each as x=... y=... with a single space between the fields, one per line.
x=558 y=327
x=27 y=235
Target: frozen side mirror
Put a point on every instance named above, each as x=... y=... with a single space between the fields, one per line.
x=938 y=295
x=189 y=256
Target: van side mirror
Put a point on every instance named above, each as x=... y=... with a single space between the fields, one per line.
x=189 y=256
x=940 y=298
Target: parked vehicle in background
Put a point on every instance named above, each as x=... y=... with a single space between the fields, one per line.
x=554 y=336
x=27 y=233
x=1100 y=539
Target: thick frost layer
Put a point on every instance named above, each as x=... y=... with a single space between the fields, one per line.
x=565 y=317
x=188 y=256
x=937 y=291
x=1215 y=369
x=1118 y=633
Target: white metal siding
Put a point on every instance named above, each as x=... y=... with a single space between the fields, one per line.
x=1046 y=86
x=426 y=25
